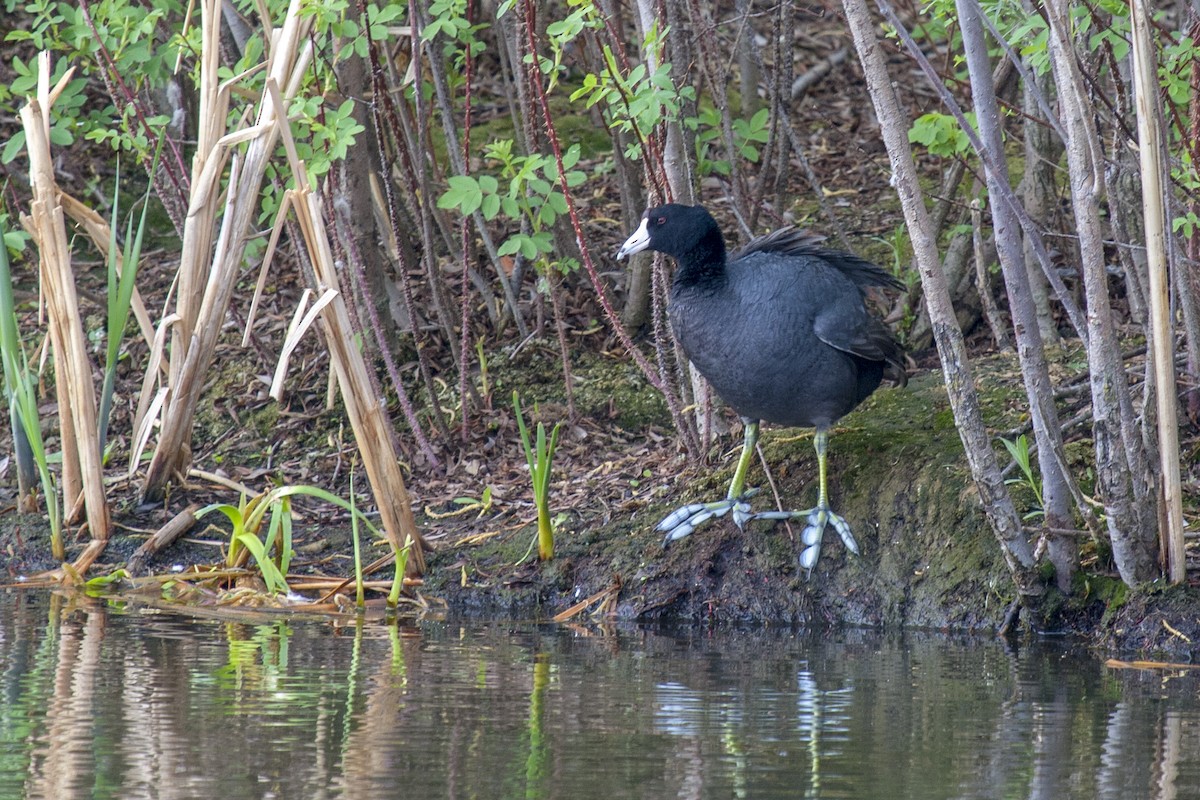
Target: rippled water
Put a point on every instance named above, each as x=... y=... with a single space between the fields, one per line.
x=110 y=702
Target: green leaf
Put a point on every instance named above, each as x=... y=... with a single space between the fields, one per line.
x=571 y=157
x=490 y=206
x=528 y=248
x=15 y=145
x=464 y=194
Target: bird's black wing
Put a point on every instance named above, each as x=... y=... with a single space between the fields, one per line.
x=792 y=241
x=864 y=336
x=834 y=281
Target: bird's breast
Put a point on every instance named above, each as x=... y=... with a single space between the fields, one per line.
x=764 y=358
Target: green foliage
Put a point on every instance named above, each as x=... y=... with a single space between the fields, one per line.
x=540 y=457
x=144 y=42
x=560 y=34
x=400 y=560
x=940 y=134
x=67 y=109
x=20 y=392
x=123 y=32
x=1019 y=451
x=349 y=39
x=120 y=292
x=359 y=587
x=1184 y=176
x=400 y=566
x=273 y=553
x=99 y=584
x=533 y=198
x=747 y=136
x=638 y=102
x=331 y=133
x=14 y=241
x=900 y=246
x=1174 y=74
x=449 y=20
x=1102 y=24
x=466 y=504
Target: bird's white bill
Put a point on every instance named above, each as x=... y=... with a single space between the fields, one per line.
x=636 y=243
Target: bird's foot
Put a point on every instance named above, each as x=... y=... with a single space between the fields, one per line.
x=682 y=521
x=814 y=531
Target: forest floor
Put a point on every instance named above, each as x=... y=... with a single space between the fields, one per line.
x=897 y=472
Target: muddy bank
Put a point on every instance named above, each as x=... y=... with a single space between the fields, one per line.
x=896 y=472
x=928 y=559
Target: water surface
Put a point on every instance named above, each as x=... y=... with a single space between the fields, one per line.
x=109 y=701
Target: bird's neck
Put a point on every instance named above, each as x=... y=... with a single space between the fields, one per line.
x=702 y=266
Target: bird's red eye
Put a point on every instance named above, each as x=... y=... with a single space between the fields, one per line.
x=661 y=221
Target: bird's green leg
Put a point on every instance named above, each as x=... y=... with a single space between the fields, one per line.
x=682 y=521
x=749 y=442
x=820 y=515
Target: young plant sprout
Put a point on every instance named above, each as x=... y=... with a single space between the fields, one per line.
x=540 y=457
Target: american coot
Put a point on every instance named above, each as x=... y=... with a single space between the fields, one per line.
x=782 y=334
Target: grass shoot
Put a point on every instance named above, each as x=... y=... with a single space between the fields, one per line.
x=540 y=457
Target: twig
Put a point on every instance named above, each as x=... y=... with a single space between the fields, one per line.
x=818 y=71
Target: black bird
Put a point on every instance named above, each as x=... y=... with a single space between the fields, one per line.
x=782 y=333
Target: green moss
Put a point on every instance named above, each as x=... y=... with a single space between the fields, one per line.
x=593 y=139
x=604 y=387
x=1112 y=593
x=263 y=420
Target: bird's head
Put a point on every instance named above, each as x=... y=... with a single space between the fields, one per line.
x=673 y=229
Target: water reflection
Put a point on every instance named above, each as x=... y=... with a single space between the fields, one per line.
x=111 y=702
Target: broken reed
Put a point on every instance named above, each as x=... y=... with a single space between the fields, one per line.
x=82 y=471
x=202 y=297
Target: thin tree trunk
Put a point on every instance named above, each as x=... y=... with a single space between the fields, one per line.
x=715 y=76
x=983 y=282
x=1185 y=276
x=677 y=169
x=676 y=163
x=1038 y=194
x=960 y=385
x=1047 y=431
x=636 y=312
x=1120 y=455
x=1008 y=196
x=356 y=221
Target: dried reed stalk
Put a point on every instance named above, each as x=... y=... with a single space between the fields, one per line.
x=82 y=472
x=204 y=292
x=178 y=525
x=369 y=419
x=372 y=427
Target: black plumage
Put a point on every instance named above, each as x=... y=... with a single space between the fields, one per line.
x=782 y=332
